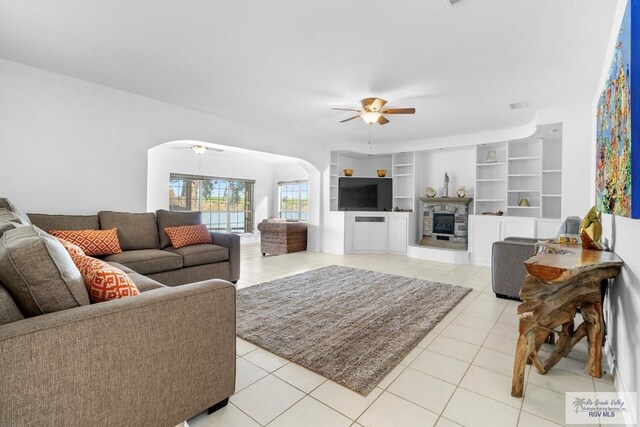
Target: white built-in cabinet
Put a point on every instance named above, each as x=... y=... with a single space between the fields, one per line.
x=378 y=231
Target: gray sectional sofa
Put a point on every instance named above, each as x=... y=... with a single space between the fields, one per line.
x=147 y=250
x=155 y=359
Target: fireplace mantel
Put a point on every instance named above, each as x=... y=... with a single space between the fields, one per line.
x=465 y=200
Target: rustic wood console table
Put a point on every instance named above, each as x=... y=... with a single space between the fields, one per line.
x=562 y=279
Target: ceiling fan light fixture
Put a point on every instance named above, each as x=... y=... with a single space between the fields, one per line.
x=199 y=149
x=371 y=117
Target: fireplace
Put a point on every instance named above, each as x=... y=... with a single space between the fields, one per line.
x=443 y=223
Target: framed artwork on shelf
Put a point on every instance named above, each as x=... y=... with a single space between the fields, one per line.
x=618 y=124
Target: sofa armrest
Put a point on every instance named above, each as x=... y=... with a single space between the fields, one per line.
x=231 y=242
x=507 y=266
x=153 y=360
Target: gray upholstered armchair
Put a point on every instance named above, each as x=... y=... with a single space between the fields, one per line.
x=508 y=257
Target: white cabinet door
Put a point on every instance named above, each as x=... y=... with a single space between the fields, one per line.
x=483 y=234
x=361 y=236
x=518 y=228
x=378 y=236
x=398 y=234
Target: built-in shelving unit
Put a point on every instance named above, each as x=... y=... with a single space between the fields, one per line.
x=528 y=169
x=403 y=167
x=491 y=179
x=334 y=174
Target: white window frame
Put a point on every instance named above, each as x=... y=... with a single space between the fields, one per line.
x=299 y=210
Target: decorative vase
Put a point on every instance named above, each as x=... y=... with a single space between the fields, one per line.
x=348 y=172
x=429 y=192
x=382 y=173
x=491 y=157
x=462 y=192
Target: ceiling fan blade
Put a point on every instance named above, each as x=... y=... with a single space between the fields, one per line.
x=399 y=111
x=382 y=120
x=215 y=150
x=373 y=104
x=350 y=118
x=346 y=109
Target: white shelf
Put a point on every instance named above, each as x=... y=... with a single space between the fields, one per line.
x=491 y=164
x=552 y=195
x=333 y=164
x=402 y=174
x=523 y=207
x=552 y=171
x=525 y=158
x=491 y=179
x=403 y=165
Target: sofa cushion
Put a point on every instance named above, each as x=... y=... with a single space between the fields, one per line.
x=148 y=261
x=174 y=219
x=201 y=254
x=145 y=283
x=104 y=282
x=189 y=235
x=92 y=242
x=135 y=230
x=9 y=311
x=38 y=272
x=6 y=204
x=65 y=222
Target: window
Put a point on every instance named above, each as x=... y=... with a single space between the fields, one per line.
x=294 y=197
x=226 y=203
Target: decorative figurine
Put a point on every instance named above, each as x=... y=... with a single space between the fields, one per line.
x=462 y=192
x=381 y=173
x=445 y=190
x=348 y=172
x=591 y=230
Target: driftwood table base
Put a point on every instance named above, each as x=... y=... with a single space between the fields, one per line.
x=550 y=302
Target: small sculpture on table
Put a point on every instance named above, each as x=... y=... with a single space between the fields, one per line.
x=445 y=190
x=591 y=230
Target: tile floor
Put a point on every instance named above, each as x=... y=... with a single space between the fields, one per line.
x=460 y=374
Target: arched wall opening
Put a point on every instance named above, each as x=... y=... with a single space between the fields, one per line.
x=221 y=161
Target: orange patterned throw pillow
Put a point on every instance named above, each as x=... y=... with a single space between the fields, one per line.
x=188 y=235
x=92 y=242
x=73 y=249
x=103 y=281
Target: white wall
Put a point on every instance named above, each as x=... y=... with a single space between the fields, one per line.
x=70 y=146
x=622 y=306
x=458 y=163
x=163 y=161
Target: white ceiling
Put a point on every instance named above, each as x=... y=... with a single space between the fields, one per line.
x=282 y=64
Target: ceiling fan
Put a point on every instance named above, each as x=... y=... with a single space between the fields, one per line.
x=199 y=149
x=373 y=112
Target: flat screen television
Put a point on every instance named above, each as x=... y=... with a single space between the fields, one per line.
x=365 y=194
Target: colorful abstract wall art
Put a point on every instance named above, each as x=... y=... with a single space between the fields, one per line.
x=618 y=130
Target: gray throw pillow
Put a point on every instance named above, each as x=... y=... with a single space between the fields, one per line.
x=9 y=311
x=6 y=204
x=135 y=230
x=174 y=219
x=38 y=272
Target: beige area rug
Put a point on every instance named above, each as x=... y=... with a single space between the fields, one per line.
x=350 y=325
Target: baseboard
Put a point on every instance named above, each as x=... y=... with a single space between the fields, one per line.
x=617 y=379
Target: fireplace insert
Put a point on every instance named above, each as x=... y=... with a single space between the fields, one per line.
x=443 y=223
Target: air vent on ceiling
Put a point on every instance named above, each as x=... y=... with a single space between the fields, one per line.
x=451 y=3
x=519 y=105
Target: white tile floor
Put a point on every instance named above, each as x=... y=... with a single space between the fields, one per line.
x=460 y=374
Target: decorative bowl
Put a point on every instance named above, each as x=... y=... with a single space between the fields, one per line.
x=430 y=192
x=348 y=172
x=382 y=173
